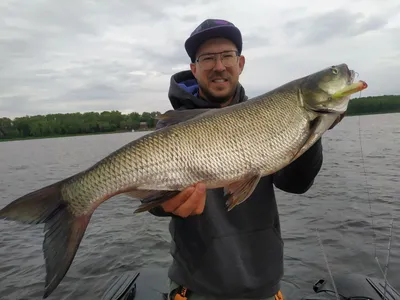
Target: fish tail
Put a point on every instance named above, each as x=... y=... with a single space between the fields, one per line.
x=63 y=230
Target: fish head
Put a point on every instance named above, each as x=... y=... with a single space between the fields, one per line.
x=329 y=90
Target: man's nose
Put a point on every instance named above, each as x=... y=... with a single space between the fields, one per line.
x=219 y=66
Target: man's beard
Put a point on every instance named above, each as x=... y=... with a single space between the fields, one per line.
x=211 y=98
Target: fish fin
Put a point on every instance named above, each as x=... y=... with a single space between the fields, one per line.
x=171 y=117
x=139 y=194
x=154 y=199
x=63 y=230
x=319 y=126
x=237 y=192
x=63 y=237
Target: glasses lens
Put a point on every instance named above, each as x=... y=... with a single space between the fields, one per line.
x=207 y=61
x=228 y=58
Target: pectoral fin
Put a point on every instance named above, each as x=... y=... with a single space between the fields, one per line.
x=151 y=199
x=319 y=127
x=171 y=117
x=238 y=191
x=140 y=194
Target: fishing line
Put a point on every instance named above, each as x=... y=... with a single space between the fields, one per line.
x=384 y=273
x=319 y=238
x=327 y=264
x=387 y=259
x=368 y=192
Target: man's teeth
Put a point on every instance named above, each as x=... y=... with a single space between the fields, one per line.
x=219 y=80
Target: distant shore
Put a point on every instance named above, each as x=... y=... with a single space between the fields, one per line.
x=108 y=122
x=66 y=135
x=374 y=105
x=69 y=135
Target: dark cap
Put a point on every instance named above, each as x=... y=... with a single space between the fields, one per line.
x=212 y=28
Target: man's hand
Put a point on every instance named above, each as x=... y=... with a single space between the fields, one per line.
x=338 y=120
x=191 y=201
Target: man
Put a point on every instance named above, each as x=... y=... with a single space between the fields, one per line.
x=219 y=254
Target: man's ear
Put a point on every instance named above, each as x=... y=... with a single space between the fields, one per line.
x=193 y=68
x=242 y=62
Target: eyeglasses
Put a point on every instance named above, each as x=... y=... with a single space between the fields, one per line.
x=208 y=61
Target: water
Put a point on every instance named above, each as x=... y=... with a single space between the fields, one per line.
x=118 y=241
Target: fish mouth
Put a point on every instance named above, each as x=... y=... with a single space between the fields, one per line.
x=350 y=89
x=342 y=96
x=352 y=76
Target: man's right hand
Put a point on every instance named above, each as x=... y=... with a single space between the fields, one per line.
x=191 y=201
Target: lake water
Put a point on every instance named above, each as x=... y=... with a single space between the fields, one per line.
x=117 y=240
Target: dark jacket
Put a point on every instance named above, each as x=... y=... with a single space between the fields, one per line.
x=238 y=253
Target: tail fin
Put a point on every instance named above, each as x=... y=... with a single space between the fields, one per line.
x=63 y=230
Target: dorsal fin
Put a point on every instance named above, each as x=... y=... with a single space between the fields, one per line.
x=171 y=117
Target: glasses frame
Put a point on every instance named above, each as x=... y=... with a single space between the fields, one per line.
x=219 y=56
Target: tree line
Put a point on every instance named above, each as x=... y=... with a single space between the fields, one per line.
x=52 y=125
x=374 y=105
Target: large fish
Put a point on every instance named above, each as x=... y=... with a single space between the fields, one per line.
x=231 y=147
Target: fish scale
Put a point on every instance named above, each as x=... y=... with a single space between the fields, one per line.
x=212 y=150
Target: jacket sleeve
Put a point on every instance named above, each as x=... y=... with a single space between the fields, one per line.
x=298 y=177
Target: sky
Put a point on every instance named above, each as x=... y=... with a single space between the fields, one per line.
x=96 y=55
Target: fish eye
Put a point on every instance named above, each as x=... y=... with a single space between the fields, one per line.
x=334 y=70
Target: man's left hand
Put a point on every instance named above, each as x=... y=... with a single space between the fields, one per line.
x=340 y=118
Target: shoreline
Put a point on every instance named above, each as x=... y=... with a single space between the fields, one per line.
x=69 y=135
x=151 y=129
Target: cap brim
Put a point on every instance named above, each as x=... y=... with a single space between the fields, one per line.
x=228 y=32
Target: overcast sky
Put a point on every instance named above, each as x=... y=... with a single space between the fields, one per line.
x=86 y=55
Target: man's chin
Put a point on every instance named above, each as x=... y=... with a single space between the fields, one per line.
x=220 y=97
x=222 y=93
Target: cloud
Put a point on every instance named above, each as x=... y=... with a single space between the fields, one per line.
x=333 y=24
x=83 y=55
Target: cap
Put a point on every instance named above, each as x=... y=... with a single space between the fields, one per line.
x=212 y=28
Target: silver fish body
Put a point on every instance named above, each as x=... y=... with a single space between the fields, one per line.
x=257 y=137
x=231 y=147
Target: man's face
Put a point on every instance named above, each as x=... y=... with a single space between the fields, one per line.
x=218 y=83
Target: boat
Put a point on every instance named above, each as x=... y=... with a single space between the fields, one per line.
x=152 y=284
